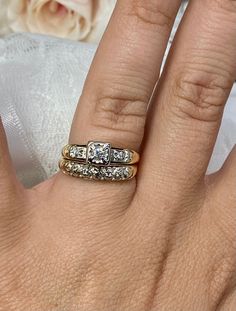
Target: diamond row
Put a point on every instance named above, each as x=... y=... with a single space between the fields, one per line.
x=117 y=155
x=110 y=173
x=76 y=152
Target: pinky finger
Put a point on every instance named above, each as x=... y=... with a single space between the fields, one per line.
x=229 y=302
x=225 y=179
x=12 y=193
x=7 y=174
x=222 y=192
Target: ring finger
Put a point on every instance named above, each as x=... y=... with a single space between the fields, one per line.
x=124 y=72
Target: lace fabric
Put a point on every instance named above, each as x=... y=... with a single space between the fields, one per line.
x=41 y=79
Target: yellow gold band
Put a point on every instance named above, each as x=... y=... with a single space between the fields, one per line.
x=100 y=173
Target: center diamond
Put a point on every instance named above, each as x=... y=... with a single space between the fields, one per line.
x=98 y=153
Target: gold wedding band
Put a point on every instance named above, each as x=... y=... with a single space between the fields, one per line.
x=102 y=173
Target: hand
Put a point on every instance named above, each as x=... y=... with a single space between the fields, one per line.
x=165 y=240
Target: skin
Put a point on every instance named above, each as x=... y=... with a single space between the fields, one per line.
x=165 y=240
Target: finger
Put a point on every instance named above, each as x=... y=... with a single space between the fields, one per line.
x=221 y=189
x=221 y=207
x=229 y=301
x=8 y=180
x=192 y=93
x=125 y=69
x=227 y=175
x=12 y=195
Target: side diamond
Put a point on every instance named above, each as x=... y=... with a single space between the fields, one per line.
x=94 y=171
x=85 y=172
x=117 y=155
x=106 y=172
x=121 y=155
x=127 y=172
x=68 y=166
x=121 y=173
x=118 y=173
x=76 y=152
x=77 y=168
x=127 y=156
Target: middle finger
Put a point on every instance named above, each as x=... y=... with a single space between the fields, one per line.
x=193 y=90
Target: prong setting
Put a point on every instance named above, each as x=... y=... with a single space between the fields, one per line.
x=98 y=153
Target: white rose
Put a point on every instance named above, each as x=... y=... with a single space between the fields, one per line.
x=73 y=19
x=103 y=11
x=4 y=27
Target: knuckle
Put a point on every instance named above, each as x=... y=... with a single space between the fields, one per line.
x=152 y=13
x=200 y=95
x=123 y=115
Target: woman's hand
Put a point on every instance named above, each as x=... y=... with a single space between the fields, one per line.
x=165 y=240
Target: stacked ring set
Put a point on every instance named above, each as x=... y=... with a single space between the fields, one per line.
x=99 y=161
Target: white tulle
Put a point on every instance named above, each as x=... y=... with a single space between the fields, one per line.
x=41 y=79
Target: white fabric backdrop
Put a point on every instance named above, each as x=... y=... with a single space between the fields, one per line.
x=41 y=79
